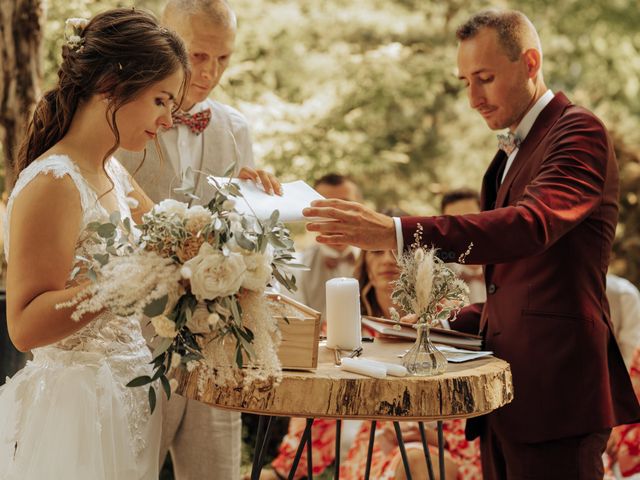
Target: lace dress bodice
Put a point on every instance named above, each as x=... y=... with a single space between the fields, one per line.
x=110 y=340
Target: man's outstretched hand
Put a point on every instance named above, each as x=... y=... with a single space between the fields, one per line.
x=350 y=223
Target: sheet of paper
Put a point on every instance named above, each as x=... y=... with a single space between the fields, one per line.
x=458 y=355
x=295 y=197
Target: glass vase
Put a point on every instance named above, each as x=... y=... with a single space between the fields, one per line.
x=423 y=358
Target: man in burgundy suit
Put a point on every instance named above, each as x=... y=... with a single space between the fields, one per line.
x=549 y=202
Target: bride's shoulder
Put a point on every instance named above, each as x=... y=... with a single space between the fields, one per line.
x=48 y=178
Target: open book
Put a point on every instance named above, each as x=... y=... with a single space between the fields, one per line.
x=295 y=197
x=438 y=335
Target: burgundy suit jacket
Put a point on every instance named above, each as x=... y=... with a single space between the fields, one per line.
x=545 y=238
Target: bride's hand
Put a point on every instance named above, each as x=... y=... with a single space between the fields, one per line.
x=268 y=180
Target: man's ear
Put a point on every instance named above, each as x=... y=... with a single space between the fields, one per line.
x=533 y=61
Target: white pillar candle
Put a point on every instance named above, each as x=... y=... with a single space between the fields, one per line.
x=343 y=314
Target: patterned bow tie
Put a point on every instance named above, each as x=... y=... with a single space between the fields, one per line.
x=332 y=263
x=196 y=122
x=508 y=142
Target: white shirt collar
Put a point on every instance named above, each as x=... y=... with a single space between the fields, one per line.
x=198 y=107
x=529 y=119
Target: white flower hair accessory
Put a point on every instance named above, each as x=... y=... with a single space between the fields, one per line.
x=73 y=32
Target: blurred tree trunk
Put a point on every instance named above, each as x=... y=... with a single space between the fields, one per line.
x=20 y=73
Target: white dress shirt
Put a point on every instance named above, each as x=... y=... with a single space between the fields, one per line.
x=521 y=132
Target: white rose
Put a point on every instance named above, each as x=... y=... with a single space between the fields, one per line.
x=164 y=327
x=171 y=207
x=173 y=383
x=258 y=271
x=199 y=321
x=215 y=275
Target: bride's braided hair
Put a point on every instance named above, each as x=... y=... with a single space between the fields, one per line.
x=119 y=53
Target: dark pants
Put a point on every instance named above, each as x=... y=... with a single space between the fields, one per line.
x=573 y=458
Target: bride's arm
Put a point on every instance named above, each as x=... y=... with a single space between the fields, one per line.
x=45 y=223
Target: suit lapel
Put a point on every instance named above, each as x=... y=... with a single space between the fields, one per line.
x=541 y=126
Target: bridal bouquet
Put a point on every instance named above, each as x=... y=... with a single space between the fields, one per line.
x=199 y=273
x=427 y=287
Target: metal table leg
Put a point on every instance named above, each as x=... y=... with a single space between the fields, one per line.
x=309 y=455
x=262 y=438
x=427 y=452
x=403 y=451
x=441 y=449
x=336 y=472
x=306 y=438
x=372 y=436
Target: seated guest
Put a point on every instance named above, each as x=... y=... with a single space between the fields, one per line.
x=460 y=202
x=623 y=450
x=624 y=302
x=375 y=272
x=622 y=457
x=326 y=262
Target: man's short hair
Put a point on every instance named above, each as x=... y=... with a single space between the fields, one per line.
x=219 y=12
x=458 y=195
x=333 y=179
x=515 y=31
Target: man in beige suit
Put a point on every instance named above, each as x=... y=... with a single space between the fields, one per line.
x=208 y=137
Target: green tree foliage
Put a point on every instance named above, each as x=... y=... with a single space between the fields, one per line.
x=369 y=87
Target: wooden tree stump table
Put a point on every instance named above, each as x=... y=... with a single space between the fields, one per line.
x=465 y=390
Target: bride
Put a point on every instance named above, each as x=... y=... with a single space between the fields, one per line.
x=68 y=414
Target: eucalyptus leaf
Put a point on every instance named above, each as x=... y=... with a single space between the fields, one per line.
x=92 y=275
x=140 y=381
x=115 y=217
x=102 y=258
x=162 y=347
x=166 y=386
x=239 y=360
x=152 y=399
x=230 y=169
x=106 y=230
x=156 y=307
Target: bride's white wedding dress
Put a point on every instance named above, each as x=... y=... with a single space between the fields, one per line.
x=67 y=414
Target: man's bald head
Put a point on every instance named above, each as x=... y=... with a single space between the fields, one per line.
x=217 y=12
x=515 y=31
x=208 y=28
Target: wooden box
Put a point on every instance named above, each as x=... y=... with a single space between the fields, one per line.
x=300 y=329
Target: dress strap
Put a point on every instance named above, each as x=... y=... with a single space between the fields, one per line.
x=58 y=166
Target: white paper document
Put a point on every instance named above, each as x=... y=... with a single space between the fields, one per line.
x=295 y=197
x=458 y=355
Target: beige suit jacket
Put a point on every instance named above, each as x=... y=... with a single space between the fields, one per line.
x=225 y=140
